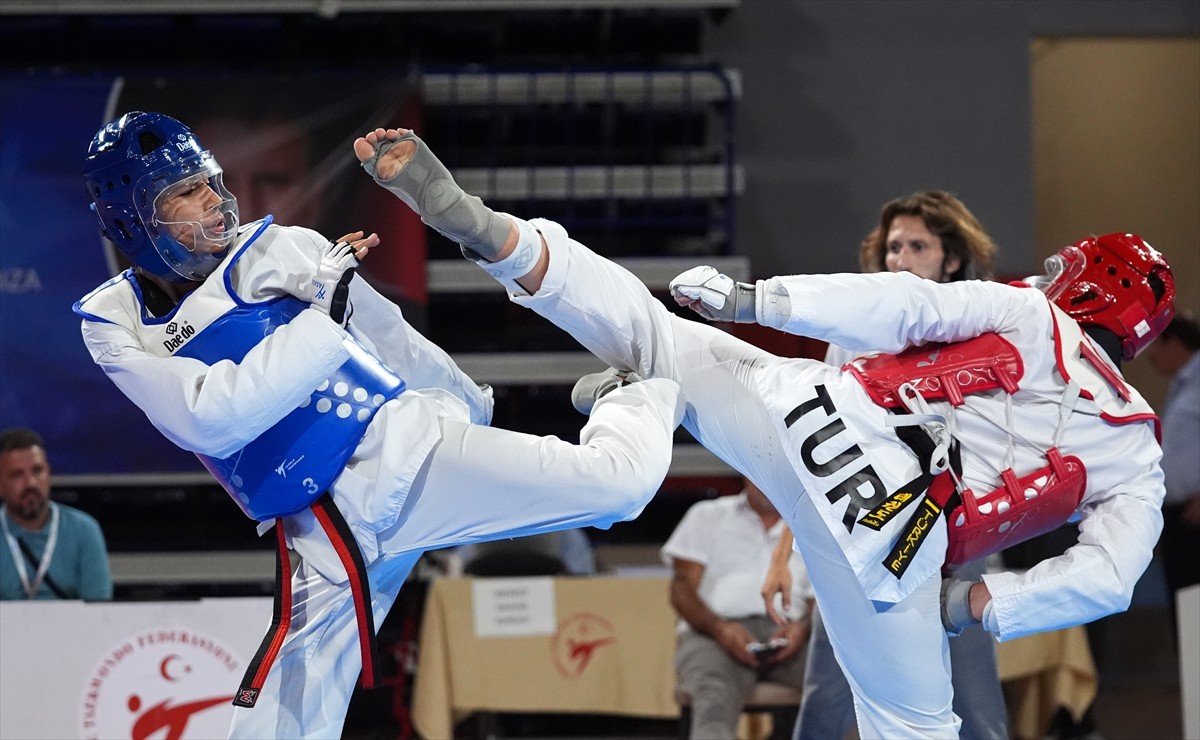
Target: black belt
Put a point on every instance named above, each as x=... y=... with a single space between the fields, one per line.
x=941 y=497
x=348 y=552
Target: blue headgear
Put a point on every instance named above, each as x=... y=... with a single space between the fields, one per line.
x=133 y=165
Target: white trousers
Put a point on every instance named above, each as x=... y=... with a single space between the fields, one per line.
x=477 y=484
x=895 y=656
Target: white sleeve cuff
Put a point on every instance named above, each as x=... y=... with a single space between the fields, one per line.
x=990 y=622
x=773 y=305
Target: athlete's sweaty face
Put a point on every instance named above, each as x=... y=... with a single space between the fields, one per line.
x=912 y=247
x=190 y=212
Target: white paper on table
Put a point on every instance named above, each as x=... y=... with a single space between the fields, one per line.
x=513 y=607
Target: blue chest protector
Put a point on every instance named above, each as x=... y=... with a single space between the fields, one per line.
x=290 y=465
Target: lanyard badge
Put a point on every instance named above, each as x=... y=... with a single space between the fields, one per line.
x=47 y=555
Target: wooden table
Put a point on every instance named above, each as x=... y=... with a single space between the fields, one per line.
x=1044 y=672
x=610 y=650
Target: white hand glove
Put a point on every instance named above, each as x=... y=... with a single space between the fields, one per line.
x=329 y=289
x=956 y=605
x=721 y=299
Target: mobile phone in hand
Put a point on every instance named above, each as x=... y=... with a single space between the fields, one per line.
x=764 y=650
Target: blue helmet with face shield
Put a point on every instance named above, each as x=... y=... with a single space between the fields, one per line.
x=136 y=169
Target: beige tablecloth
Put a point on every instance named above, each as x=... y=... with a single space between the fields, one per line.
x=1044 y=672
x=612 y=652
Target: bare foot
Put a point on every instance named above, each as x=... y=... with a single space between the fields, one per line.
x=393 y=160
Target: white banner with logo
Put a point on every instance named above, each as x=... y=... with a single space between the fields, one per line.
x=113 y=670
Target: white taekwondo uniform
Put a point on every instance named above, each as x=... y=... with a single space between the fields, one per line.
x=814 y=441
x=426 y=474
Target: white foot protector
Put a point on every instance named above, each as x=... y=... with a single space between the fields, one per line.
x=594 y=386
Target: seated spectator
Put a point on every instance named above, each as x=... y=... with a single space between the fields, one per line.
x=52 y=551
x=726 y=641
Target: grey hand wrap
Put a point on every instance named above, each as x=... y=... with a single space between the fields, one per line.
x=956 y=605
x=428 y=188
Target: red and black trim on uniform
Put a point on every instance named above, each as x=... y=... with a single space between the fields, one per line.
x=347 y=549
x=281 y=619
x=360 y=588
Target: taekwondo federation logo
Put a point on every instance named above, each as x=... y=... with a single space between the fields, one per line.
x=578 y=639
x=169 y=683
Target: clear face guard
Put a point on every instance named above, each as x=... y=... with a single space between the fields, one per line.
x=215 y=227
x=1062 y=270
x=192 y=248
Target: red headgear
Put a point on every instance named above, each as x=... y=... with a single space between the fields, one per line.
x=1110 y=281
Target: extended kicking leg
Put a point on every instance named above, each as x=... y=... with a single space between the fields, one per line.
x=604 y=307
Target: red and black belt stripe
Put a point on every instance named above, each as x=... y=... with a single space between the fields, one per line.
x=344 y=544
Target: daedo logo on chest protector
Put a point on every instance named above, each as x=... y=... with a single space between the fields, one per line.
x=852 y=487
x=180 y=333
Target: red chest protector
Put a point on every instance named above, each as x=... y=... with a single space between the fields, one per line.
x=941 y=371
x=1021 y=507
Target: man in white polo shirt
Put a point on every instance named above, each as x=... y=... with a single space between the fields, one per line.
x=726 y=640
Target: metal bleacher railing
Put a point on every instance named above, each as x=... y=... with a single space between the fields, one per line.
x=639 y=163
x=619 y=156
x=615 y=150
x=658 y=90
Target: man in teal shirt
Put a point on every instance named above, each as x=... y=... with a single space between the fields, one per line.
x=50 y=551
